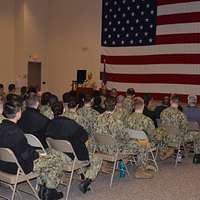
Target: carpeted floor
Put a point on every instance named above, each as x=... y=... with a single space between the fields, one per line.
x=181 y=183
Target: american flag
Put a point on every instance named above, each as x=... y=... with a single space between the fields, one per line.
x=151 y=45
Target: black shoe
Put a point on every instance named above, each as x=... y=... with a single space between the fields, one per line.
x=41 y=191
x=52 y=194
x=84 y=186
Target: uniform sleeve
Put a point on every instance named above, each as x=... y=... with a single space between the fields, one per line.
x=183 y=123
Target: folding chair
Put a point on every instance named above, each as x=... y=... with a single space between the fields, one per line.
x=12 y=180
x=141 y=135
x=108 y=140
x=65 y=147
x=34 y=142
x=174 y=131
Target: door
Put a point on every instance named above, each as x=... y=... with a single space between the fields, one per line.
x=34 y=74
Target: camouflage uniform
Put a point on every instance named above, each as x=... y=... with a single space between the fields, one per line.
x=46 y=111
x=120 y=113
x=90 y=116
x=108 y=125
x=76 y=117
x=140 y=122
x=50 y=168
x=128 y=104
x=172 y=117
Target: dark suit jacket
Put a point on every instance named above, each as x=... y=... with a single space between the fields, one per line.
x=150 y=114
x=62 y=128
x=12 y=137
x=33 y=122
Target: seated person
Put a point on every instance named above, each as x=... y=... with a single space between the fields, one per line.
x=45 y=108
x=32 y=121
x=149 y=113
x=128 y=101
x=160 y=108
x=172 y=116
x=192 y=111
x=12 y=137
x=88 y=113
x=140 y=122
x=97 y=104
x=107 y=124
x=66 y=129
x=11 y=88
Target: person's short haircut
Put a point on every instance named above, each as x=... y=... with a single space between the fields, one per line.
x=88 y=98
x=23 y=90
x=138 y=103
x=11 y=87
x=73 y=102
x=53 y=99
x=192 y=99
x=32 y=100
x=14 y=97
x=120 y=99
x=175 y=99
x=45 y=98
x=66 y=96
x=1 y=86
x=32 y=89
x=147 y=99
x=97 y=100
x=130 y=92
x=110 y=103
x=57 y=108
x=11 y=108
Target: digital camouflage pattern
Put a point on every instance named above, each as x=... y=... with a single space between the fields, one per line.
x=140 y=122
x=120 y=113
x=108 y=125
x=174 y=117
x=128 y=104
x=76 y=117
x=46 y=111
x=90 y=116
x=50 y=168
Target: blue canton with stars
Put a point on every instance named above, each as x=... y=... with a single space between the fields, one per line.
x=128 y=23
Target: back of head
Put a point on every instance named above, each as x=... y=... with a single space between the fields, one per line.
x=73 y=102
x=130 y=92
x=11 y=88
x=138 y=103
x=45 y=98
x=192 y=100
x=97 y=100
x=23 y=90
x=110 y=103
x=175 y=100
x=113 y=92
x=57 y=108
x=88 y=98
x=1 y=86
x=13 y=97
x=120 y=99
x=11 y=108
x=32 y=89
x=53 y=99
x=33 y=100
x=147 y=99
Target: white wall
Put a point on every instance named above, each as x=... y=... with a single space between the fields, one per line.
x=6 y=41
x=74 y=41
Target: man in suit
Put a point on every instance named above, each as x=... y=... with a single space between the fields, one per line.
x=32 y=121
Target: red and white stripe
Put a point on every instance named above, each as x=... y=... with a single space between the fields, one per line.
x=170 y=66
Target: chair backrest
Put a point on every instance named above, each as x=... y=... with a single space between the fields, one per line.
x=34 y=141
x=103 y=139
x=7 y=155
x=60 y=145
x=171 y=130
x=134 y=134
x=193 y=126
